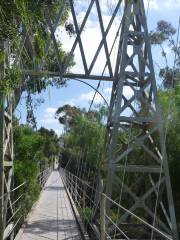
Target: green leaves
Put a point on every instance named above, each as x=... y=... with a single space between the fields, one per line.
x=24 y=26
x=12 y=79
x=164 y=31
x=85 y=138
x=32 y=150
x=170 y=104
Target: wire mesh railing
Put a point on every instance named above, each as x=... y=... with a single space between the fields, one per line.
x=17 y=207
x=105 y=216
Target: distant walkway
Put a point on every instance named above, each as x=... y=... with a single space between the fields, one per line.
x=52 y=218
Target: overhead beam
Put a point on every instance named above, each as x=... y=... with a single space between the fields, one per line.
x=67 y=75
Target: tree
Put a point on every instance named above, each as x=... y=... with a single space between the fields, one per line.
x=34 y=153
x=170 y=104
x=23 y=25
x=164 y=34
x=28 y=154
x=67 y=114
x=51 y=146
x=84 y=138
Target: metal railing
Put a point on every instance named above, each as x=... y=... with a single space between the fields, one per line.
x=94 y=212
x=16 y=207
x=44 y=175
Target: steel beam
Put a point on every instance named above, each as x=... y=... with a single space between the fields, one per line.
x=1 y=165
x=138 y=121
x=6 y=152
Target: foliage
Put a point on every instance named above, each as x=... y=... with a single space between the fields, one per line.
x=33 y=154
x=67 y=114
x=170 y=103
x=23 y=25
x=86 y=213
x=50 y=144
x=169 y=97
x=24 y=37
x=164 y=32
x=28 y=153
x=84 y=138
x=11 y=80
x=164 y=36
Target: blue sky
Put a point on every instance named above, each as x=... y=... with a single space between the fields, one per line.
x=79 y=94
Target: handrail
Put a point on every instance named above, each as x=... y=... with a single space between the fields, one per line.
x=43 y=176
x=69 y=181
x=13 y=190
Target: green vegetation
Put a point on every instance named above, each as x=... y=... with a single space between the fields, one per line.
x=24 y=37
x=24 y=27
x=170 y=102
x=169 y=97
x=86 y=214
x=32 y=156
x=84 y=138
x=83 y=145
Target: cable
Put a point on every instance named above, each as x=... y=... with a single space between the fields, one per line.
x=117 y=34
x=79 y=80
x=117 y=205
x=147 y=12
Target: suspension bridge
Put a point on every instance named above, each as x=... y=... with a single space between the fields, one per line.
x=145 y=213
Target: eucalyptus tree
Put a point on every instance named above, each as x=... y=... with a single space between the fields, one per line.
x=25 y=35
x=24 y=41
x=164 y=36
x=83 y=140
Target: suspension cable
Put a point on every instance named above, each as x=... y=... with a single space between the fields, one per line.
x=98 y=85
x=88 y=84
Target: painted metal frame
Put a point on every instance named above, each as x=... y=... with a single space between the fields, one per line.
x=6 y=165
x=143 y=127
x=134 y=70
x=6 y=154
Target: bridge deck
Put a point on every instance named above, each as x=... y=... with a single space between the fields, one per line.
x=52 y=218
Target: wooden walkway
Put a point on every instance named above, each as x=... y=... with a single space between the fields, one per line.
x=52 y=218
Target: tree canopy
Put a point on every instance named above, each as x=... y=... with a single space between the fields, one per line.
x=165 y=35
x=35 y=151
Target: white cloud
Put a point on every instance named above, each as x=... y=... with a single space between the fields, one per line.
x=128 y=92
x=152 y=4
x=91 y=35
x=50 y=110
x=169 y=4
x=89 y=96
x=59 y=130
x=48 y=120
x=108 y=90
x=161 y=5
x=49 y=116
x=86 y=97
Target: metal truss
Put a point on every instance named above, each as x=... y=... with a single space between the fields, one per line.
x=138 y=161
x=135 y=144
x=143 y=179
x=6 y=165
x=6 y=155
x=78 y=44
